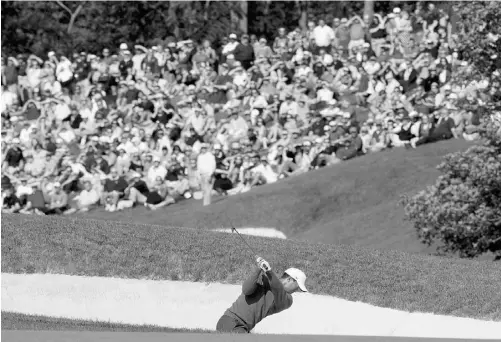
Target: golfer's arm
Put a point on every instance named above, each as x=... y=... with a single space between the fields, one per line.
x=283 y=300
x=250 y=285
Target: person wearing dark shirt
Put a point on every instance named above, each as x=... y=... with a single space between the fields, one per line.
x=10 y=202
x=192 y=137
x=82 y=69
x=114 y=189
x=125 y=64
x=75 y=119
x=137 y=191
x=10 y=73
x=132 y=93
x=32 y=112
x=442 y=131
x=263 y=294
x=163 y=116
x=147 y=105
x=352 y=147
x=36 y=202
x=14 y=156
x=244 y=52
x=136 y=163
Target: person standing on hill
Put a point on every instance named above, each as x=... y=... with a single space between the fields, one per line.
x=206 y=165
x=263 y=294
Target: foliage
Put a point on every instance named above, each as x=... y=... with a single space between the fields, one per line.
x=120 y=249
x=479 y=35
x=462 y=210
x=41 y=26
x=38 y=27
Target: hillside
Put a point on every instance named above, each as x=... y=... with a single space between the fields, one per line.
x=389 y=279
x=352 y=203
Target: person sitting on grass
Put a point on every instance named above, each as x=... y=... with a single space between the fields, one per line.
x=158 y=196
x=263 y=173
x=10 y=202
x=351 y=147
x=136 y=192
x=58 y=201
x=35 y=202
x=114 y=188
x=263 y=294
x=85 y=200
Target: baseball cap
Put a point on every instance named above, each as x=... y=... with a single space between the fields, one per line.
x=298 y=276
x=233 y=36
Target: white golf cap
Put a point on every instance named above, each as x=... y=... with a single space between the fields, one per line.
x=298 y=276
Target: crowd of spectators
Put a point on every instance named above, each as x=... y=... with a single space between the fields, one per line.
x=180 y=121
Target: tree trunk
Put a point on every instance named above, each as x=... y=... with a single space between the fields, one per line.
x=244 y=21
x=303 y=19
x=369 y=8
x=73 y=18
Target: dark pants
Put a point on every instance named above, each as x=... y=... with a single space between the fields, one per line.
x=433 y=138
x=227 y=324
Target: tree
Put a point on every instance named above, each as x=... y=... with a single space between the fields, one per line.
x=479 y=35
x=73 y=14
x=462 y=211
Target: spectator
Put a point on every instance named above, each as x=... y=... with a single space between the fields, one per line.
x=206 y=165
x=139 y=127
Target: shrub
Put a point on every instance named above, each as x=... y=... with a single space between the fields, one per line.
x=462 y=211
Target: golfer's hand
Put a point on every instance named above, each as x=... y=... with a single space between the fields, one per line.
x=263 y=264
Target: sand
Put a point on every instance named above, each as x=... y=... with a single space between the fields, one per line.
x=198 y=305
x=264 y=232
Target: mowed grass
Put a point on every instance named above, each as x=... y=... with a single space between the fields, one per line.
x=17 y=321
x=356 y=202
x=393 y=279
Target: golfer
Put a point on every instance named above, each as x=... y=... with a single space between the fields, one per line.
x=263 y=294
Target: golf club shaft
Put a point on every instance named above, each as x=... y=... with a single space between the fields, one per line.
x=250 y=248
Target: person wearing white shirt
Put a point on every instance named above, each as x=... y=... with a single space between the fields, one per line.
x=198 y=121
x=156 y=170
x=324 y=94
x=237 y=127
x=85 y=199
x=8 y=99
x=288 y=107
x=63 y=70
x=263 y=173
x=323 y=35
x=206 y=166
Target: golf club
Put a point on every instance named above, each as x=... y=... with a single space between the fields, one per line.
x=241 y=237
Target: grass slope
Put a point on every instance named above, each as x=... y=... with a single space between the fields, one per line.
x=17 y=321
x=351 y=203
x=385 y=278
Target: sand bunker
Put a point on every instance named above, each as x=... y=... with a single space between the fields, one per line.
x=198 y=305
x=264 y=232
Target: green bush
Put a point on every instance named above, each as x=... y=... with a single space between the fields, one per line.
x=462 y=211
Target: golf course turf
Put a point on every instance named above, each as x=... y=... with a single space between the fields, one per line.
x=393 y=279
x=352 y=203
x=17 y=321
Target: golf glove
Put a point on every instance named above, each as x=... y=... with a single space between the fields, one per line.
x=264 y=265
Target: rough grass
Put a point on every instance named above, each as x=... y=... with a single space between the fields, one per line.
x=352 y=203
x=17 y=321
x=33 y=244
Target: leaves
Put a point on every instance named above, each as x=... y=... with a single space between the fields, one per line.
x=479 y=29
x=462 y=210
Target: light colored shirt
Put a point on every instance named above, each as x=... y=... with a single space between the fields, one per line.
x=206 y=164
x=323 y=35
